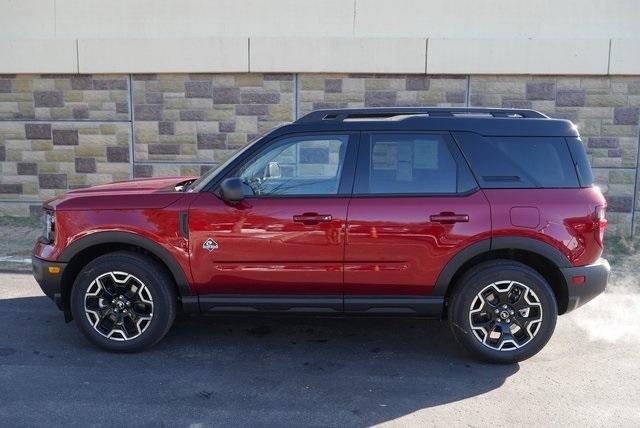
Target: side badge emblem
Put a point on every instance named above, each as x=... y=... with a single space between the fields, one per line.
x=210 y=245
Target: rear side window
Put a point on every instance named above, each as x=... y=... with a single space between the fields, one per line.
x=519 y=162
x=410 y=164
x=579 y=155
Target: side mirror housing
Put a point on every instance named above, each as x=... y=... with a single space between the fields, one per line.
x=272 y=170
x=231 y=190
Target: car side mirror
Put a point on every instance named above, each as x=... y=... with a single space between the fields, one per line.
x=231 y=190
x=272 y=170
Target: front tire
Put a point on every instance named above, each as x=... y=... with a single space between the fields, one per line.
x=502 y=311
x=123 y=302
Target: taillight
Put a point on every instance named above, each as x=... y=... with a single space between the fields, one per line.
x=600 y=223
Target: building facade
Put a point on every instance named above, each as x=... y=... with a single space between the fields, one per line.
x=92 y=92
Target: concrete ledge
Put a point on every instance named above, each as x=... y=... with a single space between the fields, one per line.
x=625 y=56
x=38 y=56
x=219 y=55
x=518 y=56
x=338 y=55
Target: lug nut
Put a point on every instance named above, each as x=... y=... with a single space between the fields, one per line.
x=497 y=311
x=511 y=312
x=504 y=306
x=508 y=320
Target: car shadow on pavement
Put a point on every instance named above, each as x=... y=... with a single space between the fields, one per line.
x=236 y=370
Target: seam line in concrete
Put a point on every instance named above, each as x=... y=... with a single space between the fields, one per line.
x=296 y=98
x=64 y=120
x=609 y=59
x=132 y=130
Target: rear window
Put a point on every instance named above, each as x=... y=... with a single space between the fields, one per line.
x=519 y=162
x=579 y=155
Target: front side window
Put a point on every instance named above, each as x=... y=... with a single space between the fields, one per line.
x=301 y=165
x=410 y=164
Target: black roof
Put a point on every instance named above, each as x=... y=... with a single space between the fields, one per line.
x=484 y=121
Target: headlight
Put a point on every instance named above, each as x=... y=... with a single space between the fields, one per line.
x=48 y=226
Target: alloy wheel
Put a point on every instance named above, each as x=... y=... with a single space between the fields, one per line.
x=118 y=305
x=505 y=315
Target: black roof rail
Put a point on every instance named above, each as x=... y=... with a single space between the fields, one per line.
x=388 y=113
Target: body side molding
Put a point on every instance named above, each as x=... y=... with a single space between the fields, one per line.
x=112 y=237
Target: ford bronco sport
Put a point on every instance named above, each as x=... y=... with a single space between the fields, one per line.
x=487 y=218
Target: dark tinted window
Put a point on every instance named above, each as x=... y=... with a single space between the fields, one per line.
x=410 y=164
x=519 y=162
x=579 y=155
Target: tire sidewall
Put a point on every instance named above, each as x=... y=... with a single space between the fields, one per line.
x=150 y=275
x=470 y=285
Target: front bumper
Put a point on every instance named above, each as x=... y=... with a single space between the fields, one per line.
x=49 y=277
x=595 y=276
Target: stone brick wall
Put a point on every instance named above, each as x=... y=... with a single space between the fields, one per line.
x=60 y=132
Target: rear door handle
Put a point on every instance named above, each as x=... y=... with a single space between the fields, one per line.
x=449 y=218
x=312 y=218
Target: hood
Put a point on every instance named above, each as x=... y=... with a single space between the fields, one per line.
x=141 y=185
x=142 y=193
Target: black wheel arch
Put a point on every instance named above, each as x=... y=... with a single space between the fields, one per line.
x=541 y=256
x=99 y=243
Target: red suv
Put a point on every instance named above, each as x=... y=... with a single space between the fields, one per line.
x=485 y=217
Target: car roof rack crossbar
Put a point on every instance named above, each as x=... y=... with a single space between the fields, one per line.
x=356 y=114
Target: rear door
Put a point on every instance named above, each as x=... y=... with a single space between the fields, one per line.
x=415 y=205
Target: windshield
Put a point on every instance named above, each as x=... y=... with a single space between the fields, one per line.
x=201 y=182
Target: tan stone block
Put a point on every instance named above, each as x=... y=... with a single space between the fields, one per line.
x=60 y=155
x=619 y=130
x=189 y=149
x=63 y=85
x=16 y=96
x=118 y=96
x=311 y=96
x=190 y=170
x=41 y=145
x=309 y=83
x=44 y=85
x=377 y=84
x=23 y=85
x=431 y=97
x=223 y=80
x=8 y=109
x=280 y=112
x=26 y=109
x=236 y=139
x=96 y=97
x=31 y=156
x=247 y=124
x=96 y=150
x=112 y=168
x=61 y=113
x=47 y=167
x=13 y=155
x=248 y=80
x=605 y=100
x=221 y=156
x=172 y=85
x=222 y=114
x=146 y=135
x=29 y=188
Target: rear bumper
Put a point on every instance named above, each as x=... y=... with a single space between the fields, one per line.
x=49 y=280
x=595 y=276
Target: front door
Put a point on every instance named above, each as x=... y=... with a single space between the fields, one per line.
x=415 y=205
x=285 y=240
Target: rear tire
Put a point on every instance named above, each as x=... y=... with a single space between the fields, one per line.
x=502 y=311
x=123 y=302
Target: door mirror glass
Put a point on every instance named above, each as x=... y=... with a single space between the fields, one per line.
x=231 y=190
x=272 y=171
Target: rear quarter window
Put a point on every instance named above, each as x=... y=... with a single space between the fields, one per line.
x=519 y=162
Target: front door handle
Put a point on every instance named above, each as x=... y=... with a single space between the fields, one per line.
x=312 y=218
x=449 y=218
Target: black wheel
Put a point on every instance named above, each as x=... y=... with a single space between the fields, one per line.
x=502 y=311
x=123 y=302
